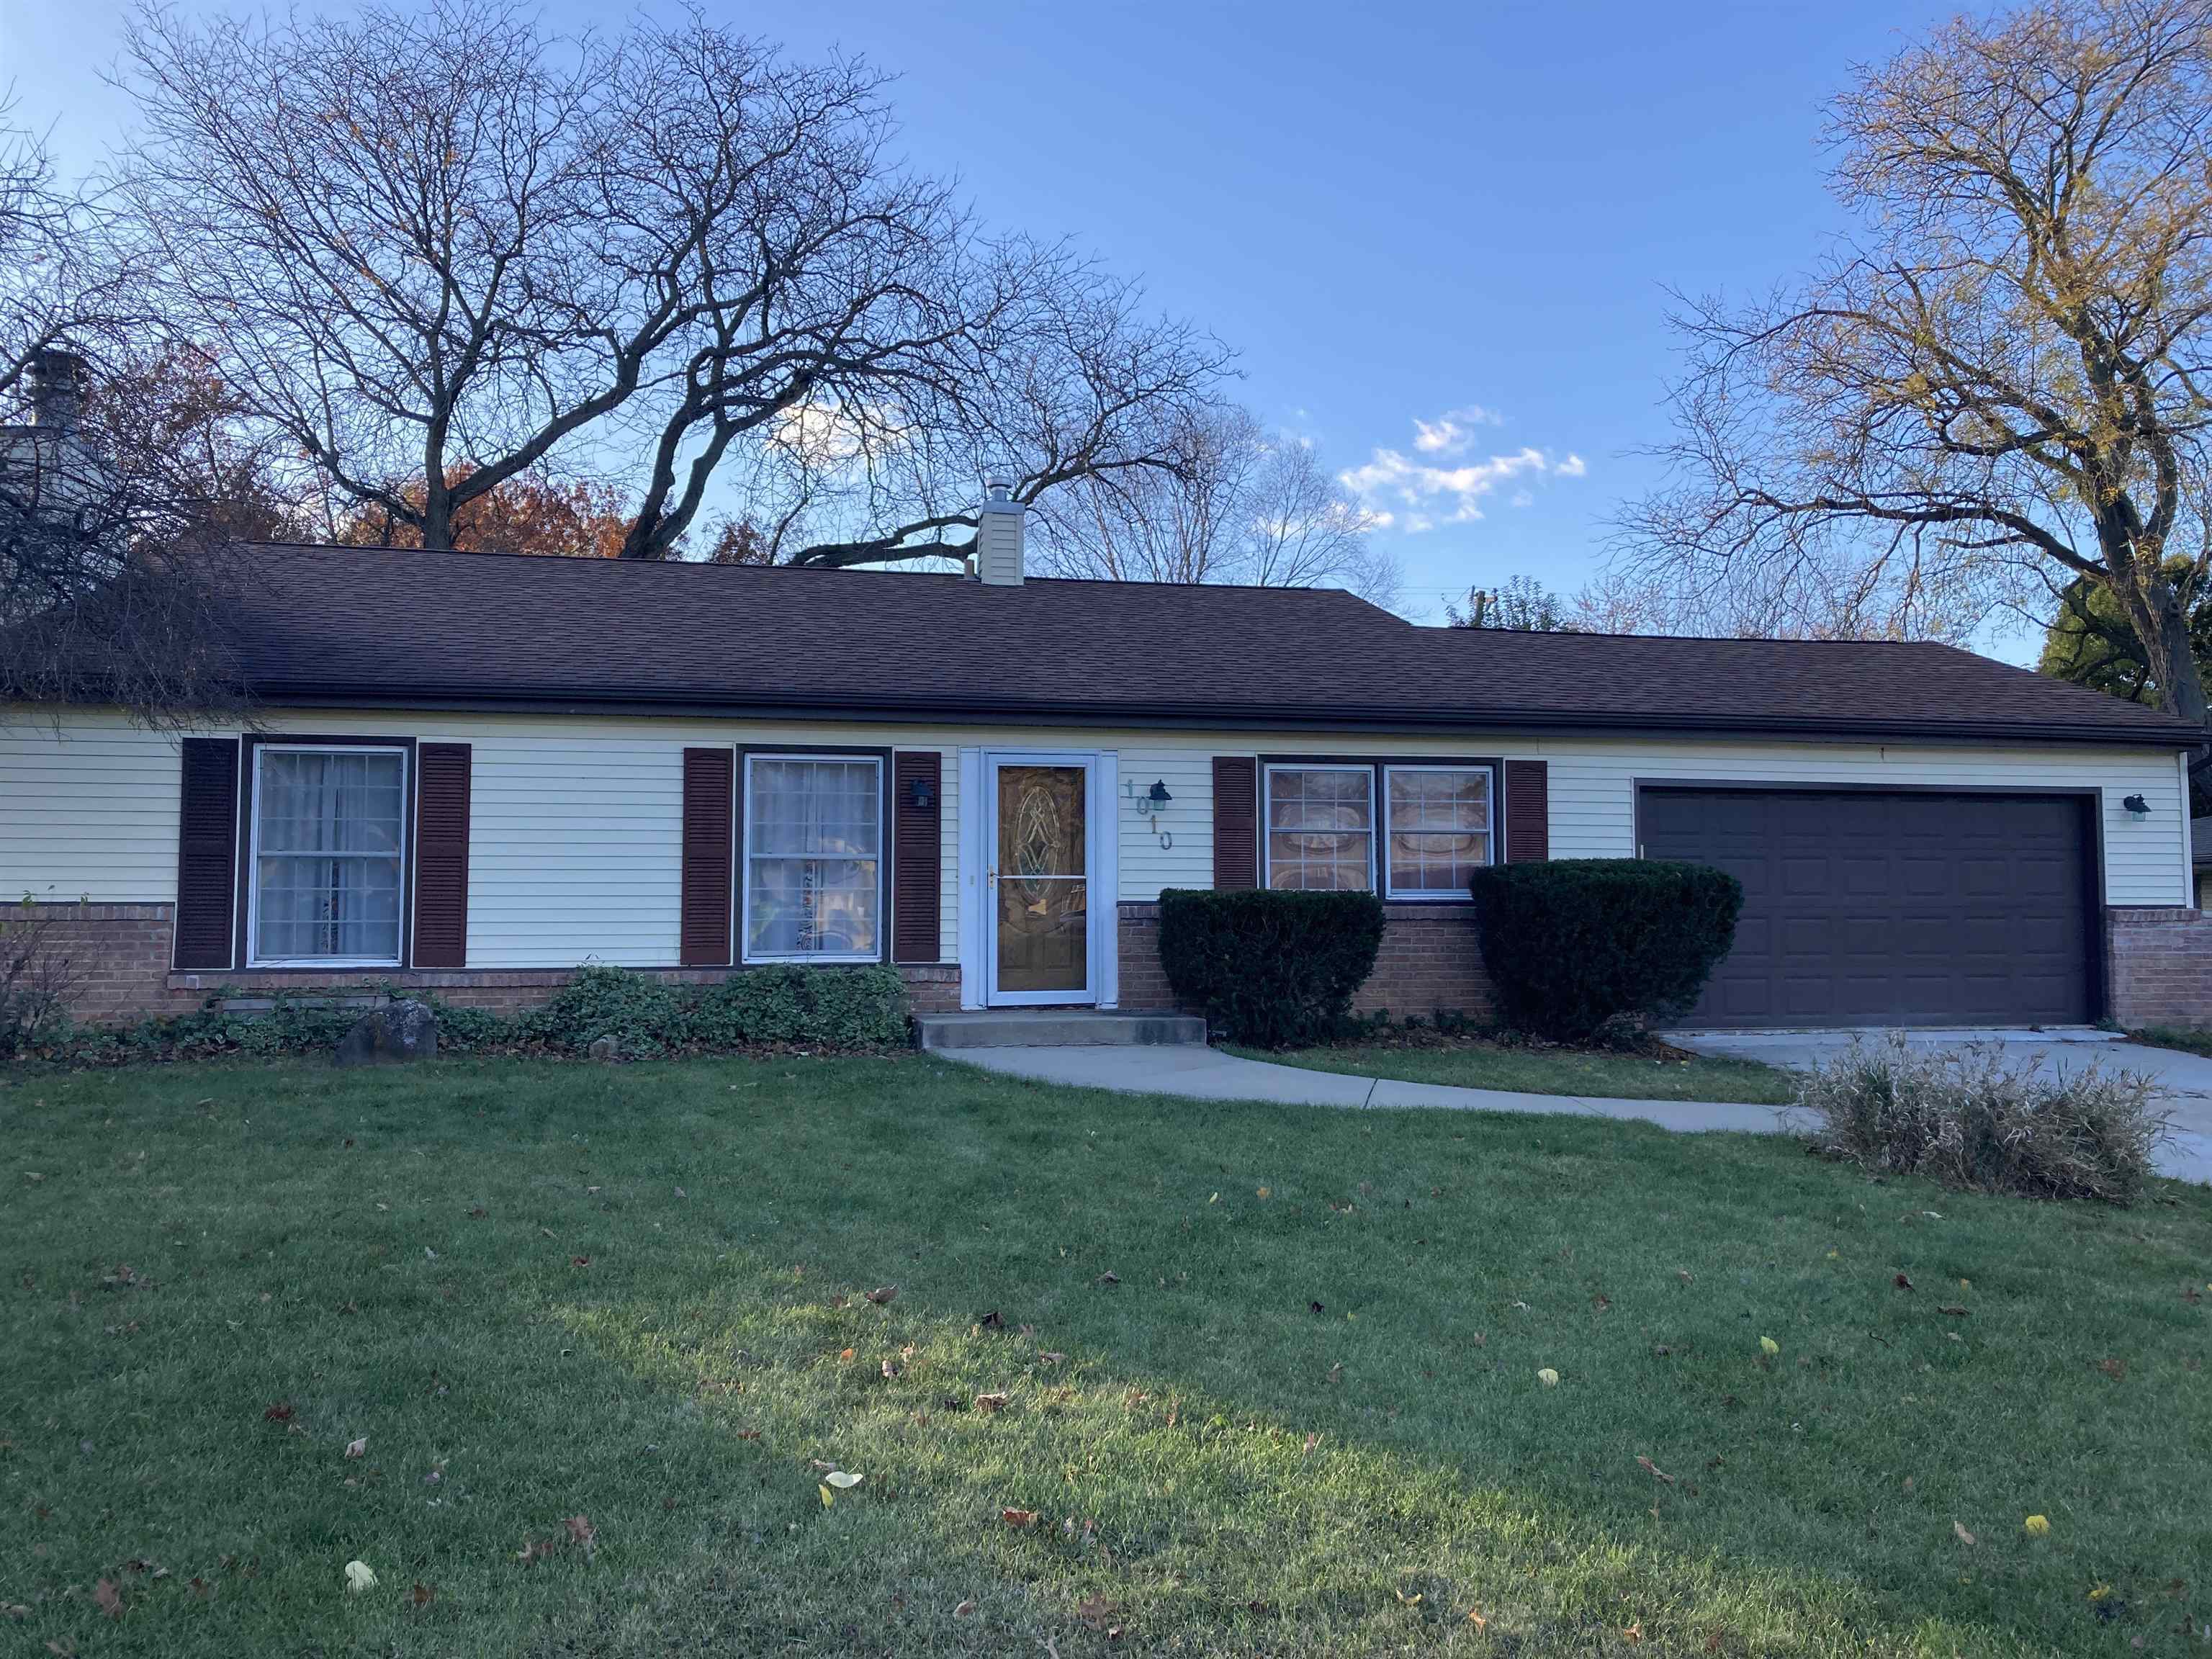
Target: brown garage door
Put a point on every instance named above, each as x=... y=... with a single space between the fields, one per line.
x=1862 y=908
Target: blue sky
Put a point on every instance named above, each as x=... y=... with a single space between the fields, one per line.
x=1397 y=214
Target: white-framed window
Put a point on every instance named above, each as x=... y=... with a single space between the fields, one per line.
x=1319 y=822
x=329 y=859
x=813 y=875
x=1439 y=827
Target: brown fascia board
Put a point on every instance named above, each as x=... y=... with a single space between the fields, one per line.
x=2165 y=734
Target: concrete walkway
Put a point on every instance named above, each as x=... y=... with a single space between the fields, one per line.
x=1203 y=1073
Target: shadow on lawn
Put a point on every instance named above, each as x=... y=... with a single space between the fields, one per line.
x=626 y=1274
x=1165 y=1519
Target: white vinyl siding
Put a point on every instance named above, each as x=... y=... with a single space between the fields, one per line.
x=88 y=811
x=575 y=830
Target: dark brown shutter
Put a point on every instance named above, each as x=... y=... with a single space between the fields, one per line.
x=1236 y=823
x=1528 y=811
x=441 y=855
x=708 y=848
x=917 y=840
x=207 y=852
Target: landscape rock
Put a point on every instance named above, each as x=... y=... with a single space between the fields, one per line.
x=389 y=1036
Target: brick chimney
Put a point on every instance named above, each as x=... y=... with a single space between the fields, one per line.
x=999 y=535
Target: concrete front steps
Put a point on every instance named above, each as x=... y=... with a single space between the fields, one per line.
x=1055 y=1028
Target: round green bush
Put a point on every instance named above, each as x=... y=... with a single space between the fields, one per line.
x=1575 y=946
x=1269 y=968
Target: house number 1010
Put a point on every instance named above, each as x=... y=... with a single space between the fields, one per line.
x=1151 y=804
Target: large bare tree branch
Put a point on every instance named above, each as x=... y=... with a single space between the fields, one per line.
x=1997 y=373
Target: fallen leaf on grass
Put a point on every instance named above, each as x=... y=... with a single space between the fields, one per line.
x=109 y=1598
x=2037 y=1526
x=1902 y=1282
x=1769 y=1347
x=1096 y=1611
x=1962 y=1534
x=1475 y=1618
x=1548 y=1377
x=827 y=1497
x=1312 y=1440
x=582 y=1533
x=990 y=1402
x=357 y=1448
x=580 y=1261
x=1404 y=1600
x=993 y=1321
x=1652 y=1468
x=1952 y=1311
x=1109 y=1277
x=422 y=1596
x=359 y=1577
x=842 y=1480
x=882 y=1294
x=1634 y=1633
x=963 y=1609
x=749 y=1434
x=281 y=1412
x=1051 y=1357
x=2115 y=1368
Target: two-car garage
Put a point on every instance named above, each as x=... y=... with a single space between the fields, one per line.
x=1866 y=907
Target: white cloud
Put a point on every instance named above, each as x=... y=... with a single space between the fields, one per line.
x=1453 y=430
x=1521 y=498
x=1447 y=494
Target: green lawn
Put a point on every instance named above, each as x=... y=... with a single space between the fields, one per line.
x=1270 y=1378
x=1471 y=1063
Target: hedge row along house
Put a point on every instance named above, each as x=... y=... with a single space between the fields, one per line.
x=472 y=773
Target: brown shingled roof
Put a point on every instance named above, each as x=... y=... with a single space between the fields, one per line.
x=330 y=625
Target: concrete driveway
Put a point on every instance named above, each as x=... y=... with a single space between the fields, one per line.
x=2185 y=1081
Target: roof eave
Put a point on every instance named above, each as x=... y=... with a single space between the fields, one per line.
x=2165 y=734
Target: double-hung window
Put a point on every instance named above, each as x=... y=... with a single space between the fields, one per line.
x=1321 y=828
x=329 y=855
x=814 y=844
x=1438 y=829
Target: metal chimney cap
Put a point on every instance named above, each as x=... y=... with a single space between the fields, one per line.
x=53 y=363
x=998 y=487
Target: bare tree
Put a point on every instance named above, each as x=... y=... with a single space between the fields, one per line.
x=440 y=250
x=1238 y=504
x=1997 y=385
x=102 y=484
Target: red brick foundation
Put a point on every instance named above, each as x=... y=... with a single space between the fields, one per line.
x=119 y=964
x=2157 y=966
x=1429 y=960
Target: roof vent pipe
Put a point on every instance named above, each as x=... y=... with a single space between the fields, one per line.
x=999 y=534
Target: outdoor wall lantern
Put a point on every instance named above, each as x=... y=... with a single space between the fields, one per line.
x=1158 y=794
x=923 y=793
x=2138 y=805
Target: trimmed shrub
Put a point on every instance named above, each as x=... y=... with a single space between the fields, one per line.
x=642 y=1014
x=862 y=1007
x=831 y=1007
x=1269 y=968
x=1975 y=1118
x=1575 y=946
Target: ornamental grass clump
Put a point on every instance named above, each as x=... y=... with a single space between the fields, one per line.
x=1977 y=1118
